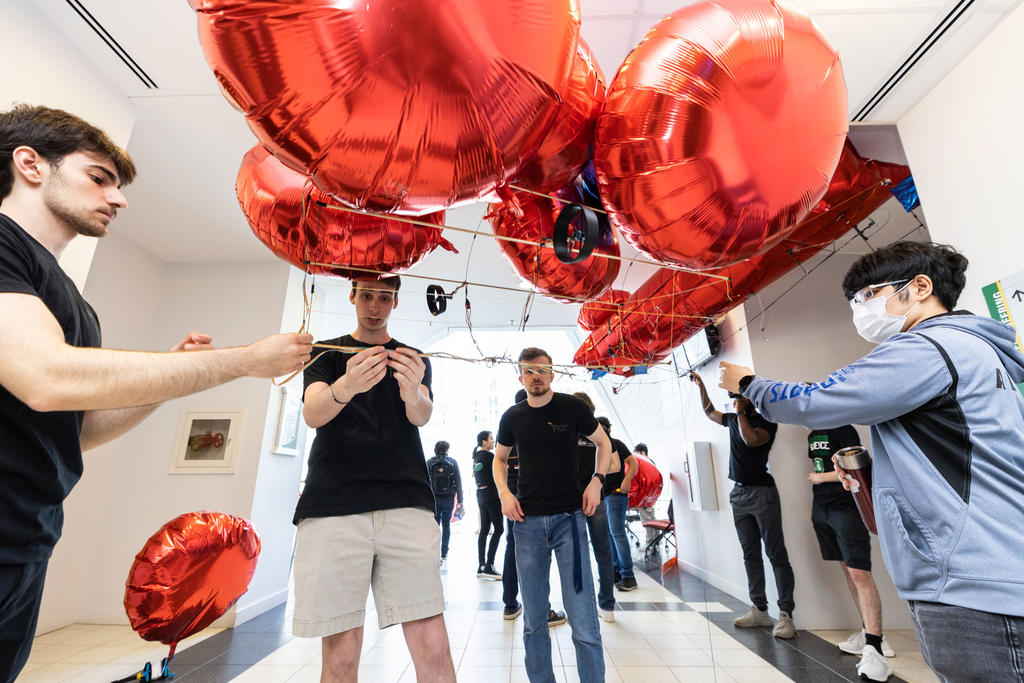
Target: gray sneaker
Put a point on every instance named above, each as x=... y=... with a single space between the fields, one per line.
x=784 y=627
x=753 y=618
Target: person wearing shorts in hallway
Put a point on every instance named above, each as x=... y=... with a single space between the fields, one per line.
x=490 y=506
x=366 y=515
x=843 y=538
x=646 y=513
x=446 y=485
x=756 y=509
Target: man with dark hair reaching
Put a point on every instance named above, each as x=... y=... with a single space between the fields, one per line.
x=947 y=433
x=366 y=515
x=548 y=513
x=60 y=394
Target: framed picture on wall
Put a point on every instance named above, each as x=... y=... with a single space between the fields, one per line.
x=289 y=416
x=207 y=442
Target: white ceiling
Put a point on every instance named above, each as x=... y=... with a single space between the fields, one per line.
x=188 y=141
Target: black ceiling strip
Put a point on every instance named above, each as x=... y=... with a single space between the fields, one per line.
x=927 y=44
x=114 y=46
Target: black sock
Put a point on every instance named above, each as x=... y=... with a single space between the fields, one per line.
x=874 y=641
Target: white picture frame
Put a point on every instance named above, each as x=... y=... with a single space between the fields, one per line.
x=207 y=442
x=289 y=423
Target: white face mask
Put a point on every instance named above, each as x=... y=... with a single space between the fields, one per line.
x=874 y=322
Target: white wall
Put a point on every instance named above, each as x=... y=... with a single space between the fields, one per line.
x=127 y=493
x=965 y=142
x=38 y=66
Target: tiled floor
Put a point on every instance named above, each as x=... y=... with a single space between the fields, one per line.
x=673 y=628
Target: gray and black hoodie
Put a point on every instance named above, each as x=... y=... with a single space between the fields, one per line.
x=947 y=434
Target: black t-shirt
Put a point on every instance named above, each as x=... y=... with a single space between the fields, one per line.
x=546 y=438
x=483 y=462
x=749 y=466
x=40 y=453
x=369 y=457
x=821 y=446
x=614 y=479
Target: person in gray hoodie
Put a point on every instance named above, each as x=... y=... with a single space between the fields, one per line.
x=947 y=433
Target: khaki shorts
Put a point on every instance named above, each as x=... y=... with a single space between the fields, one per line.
x=338 y=559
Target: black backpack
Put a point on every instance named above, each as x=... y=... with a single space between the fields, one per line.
x=442 y=476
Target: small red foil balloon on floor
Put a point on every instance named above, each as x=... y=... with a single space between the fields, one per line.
x=396 y=106
x=720 y=132
x=595 y=313
x=188 y=574
x=645 y=489
x=568 y=282
x=567 y=146
x=326 y=240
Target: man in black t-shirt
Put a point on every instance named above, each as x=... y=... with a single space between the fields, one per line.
x=842 y=536
x=60 y=394
x=366 y=515
x=616 y=502
x=547 y=513
x=757 y=513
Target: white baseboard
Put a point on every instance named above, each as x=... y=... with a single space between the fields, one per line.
x=257 y=608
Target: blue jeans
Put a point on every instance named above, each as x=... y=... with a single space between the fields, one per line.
x=963 y=645
x=622 y=557
x=598 y=525
x=509 y=576
x=443 y=508
x=535 y=538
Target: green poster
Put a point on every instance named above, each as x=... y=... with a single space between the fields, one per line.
x=1005 y=300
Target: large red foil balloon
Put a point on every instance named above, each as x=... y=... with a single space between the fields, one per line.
x=567 y=147
x=398 y=106
x=595 y=313
x=332 y=241
x=672 y=305
x=720 y=132
x=568 y=282
x=188 y=574
x=647 y=483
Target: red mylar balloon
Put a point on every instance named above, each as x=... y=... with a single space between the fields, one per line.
x=672 y=305
x=595 y=313
x=647 y=484
x=538 y=265
x=397 y=106
x=188 y=574
x=332 y=241
x=720 y=132
x=567 y=145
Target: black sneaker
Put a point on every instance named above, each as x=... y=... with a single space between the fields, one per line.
x=556 y=618
x=627 y=584
x=487 y=572
x=618 y=578
x=513 y=612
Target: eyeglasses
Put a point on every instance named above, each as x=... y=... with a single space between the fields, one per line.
x=864 y=294
x=543 y=372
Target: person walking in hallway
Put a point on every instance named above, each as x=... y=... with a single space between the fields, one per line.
x=446 y=485
x=490 y=506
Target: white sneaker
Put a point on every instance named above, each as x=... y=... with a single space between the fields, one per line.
x=753 y=618
x=607 y=615
x=873 y=666
x=854 y=645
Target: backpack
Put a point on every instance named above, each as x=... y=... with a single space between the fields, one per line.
x=442 y=477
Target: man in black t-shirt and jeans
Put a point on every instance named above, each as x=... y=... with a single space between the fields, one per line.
x=366 y=515
x=756 y=509
x=842 y=536
x=547 y=513
x=60 y=394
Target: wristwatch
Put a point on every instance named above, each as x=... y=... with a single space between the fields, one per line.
x=600 y=477
x=745 y=382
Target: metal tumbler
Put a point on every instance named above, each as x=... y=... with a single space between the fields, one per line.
x=856 y=461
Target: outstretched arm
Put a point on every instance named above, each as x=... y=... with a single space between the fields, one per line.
x=709 y=409
x=47 y=374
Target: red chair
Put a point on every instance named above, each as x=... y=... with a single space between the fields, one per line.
x=666 y=530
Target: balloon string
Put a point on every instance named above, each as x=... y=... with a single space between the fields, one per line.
x=563 y=369
x=543 y=243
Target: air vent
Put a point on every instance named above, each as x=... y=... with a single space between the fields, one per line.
x=114 y=46
x=947 y=22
